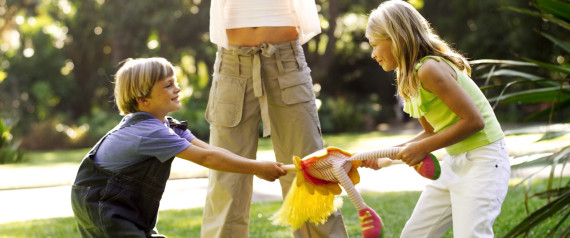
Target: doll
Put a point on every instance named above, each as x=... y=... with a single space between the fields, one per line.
x=312 y=195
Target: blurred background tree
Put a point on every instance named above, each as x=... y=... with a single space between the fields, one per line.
x=59 y=56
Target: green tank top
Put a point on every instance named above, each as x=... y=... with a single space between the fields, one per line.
x=440 y=117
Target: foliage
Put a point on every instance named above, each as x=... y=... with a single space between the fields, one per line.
x=551 y=91
x=9 y=152
x=481 y=30
x=338 y=114
x=74 y=47
x=556 y=193
x=59 y=56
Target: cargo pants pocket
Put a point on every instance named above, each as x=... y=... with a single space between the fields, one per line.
x=225 y=104
x=296 y=87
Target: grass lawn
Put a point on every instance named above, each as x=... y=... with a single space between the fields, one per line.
x=393 y=207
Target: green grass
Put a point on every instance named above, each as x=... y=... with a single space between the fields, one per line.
x=50 y=158
x=393 y=207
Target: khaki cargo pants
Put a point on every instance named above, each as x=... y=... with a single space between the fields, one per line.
x=269 y=83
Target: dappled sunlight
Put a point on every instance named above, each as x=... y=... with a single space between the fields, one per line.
x=382 y=141
x=526 y=144
x=36 y=177
x=188 y=221
x=182 y=168
x=73 y=132
x=50 y=156
x=28 y=204
x=55 y=157
x=396 y=177
x=267 y=155
x=367 y=141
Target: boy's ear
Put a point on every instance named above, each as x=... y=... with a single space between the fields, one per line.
x=142 y=101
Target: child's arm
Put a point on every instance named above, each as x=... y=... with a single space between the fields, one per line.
x=219 y=159
x=440 y=79
x=428 y=131
x=204 y=145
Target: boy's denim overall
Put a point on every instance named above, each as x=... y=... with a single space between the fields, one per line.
x=123 y=204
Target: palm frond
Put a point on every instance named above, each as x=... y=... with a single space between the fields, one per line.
x=559 y=204
x=564 y=45
x=538 y=95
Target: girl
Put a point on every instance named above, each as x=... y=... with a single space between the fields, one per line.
x=120 y=182
x=434 y=81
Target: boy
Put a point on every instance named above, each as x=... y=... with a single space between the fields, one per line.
x=120 y=182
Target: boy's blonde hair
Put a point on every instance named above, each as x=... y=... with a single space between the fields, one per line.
x=412 y=39
x=135 y=79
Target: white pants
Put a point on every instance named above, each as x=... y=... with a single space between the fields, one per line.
x=468 y=195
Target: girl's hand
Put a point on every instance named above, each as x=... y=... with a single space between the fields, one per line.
x=269 y=171
x=411 y=154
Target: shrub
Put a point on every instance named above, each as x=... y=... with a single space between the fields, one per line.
x=9 y=151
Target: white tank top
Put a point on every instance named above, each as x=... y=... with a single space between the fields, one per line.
x=256 y=13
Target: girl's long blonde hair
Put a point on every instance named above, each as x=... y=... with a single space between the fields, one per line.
x=412 y=39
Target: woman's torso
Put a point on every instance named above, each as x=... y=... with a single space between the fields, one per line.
x=253 y=36
x=252 y=22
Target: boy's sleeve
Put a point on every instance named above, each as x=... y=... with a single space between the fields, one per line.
x=186 y=134
x=163 y=143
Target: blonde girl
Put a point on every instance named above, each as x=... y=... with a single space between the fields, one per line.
x=434 y=81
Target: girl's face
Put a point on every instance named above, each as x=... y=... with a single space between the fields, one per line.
x=382 y=53
x=164 y=96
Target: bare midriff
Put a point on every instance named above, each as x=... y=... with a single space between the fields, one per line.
x=254 y=36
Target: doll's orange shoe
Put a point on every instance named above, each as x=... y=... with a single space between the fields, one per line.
x=429 y=167
x=370 y=223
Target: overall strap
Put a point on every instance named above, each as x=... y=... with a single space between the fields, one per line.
x=135 y=118
x=89 y=165
x=183 y=125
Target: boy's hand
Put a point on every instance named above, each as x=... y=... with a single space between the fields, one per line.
x=270 y=171
x=371 y=164
x=376 y=164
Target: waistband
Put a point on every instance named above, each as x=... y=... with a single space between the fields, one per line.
x=266 y=49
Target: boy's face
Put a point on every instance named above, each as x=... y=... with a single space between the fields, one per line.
x=164 y=97
x=382 y=53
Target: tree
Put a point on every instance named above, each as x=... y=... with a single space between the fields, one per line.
x=56 y=77
x=74 y=48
